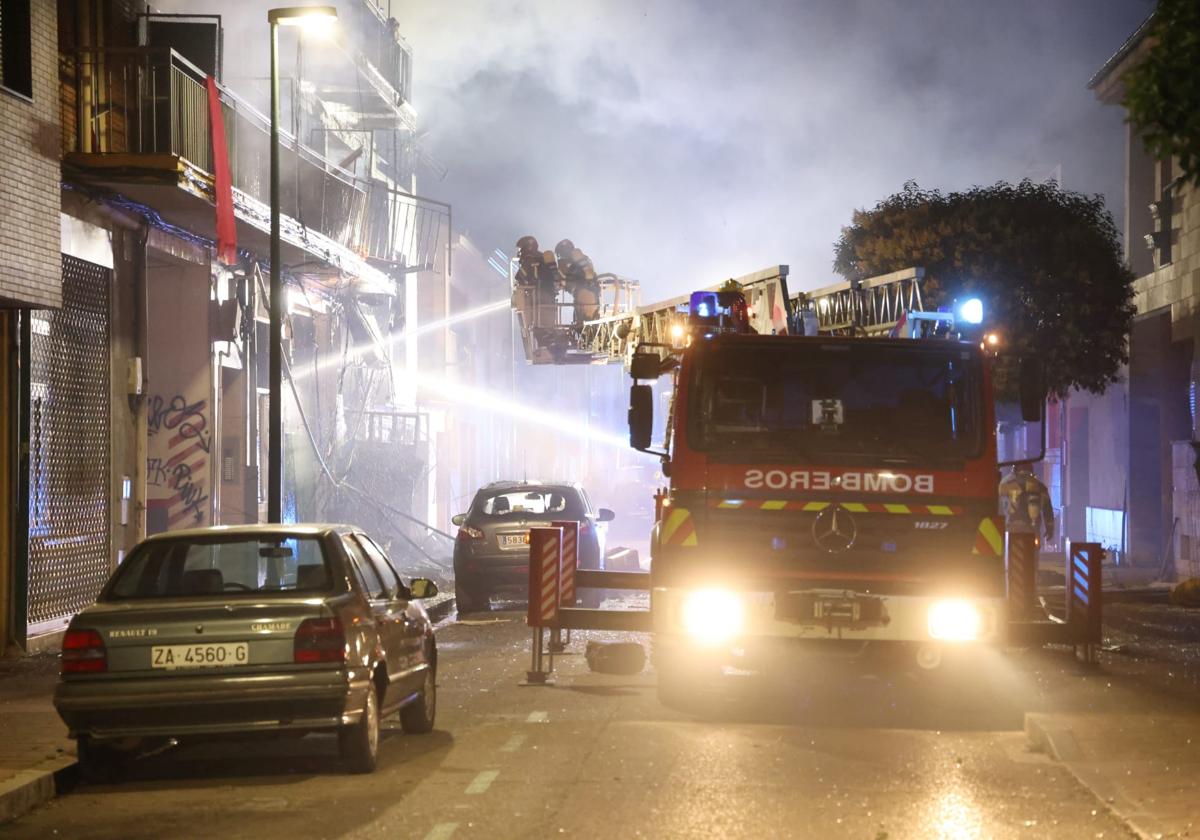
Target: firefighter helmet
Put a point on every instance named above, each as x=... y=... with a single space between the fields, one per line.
x=564 y=250
x=527 y=245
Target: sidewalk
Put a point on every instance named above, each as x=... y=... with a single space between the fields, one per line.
x=1130 y=732
x=37 y=759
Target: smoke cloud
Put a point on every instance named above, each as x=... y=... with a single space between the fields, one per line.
x=681 y=142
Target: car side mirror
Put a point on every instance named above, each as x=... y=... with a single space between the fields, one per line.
x=423 y=588
x=458 y=519
x=1032 y=387
x=605 y=515
x=641 y=416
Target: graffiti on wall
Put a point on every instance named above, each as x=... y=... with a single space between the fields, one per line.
x=177 y=466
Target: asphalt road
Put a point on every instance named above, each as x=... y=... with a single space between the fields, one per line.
x=834 y=752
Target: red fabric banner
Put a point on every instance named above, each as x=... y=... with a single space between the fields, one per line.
x=223 y=182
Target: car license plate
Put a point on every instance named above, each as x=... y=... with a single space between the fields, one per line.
x=511 y=540
x=172 y=657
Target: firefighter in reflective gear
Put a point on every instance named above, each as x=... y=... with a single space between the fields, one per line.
x=525 y=278
x=1025 y=503
x=536 y=283
x=579 y=278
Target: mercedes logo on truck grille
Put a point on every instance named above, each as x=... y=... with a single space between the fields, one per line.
x=834 y=530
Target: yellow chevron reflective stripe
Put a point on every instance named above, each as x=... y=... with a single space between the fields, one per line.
x=853 y=507
x=678 y=528
x=989 y=539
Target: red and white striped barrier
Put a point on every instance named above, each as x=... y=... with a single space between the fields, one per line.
x=570 y=560
x=545 y=564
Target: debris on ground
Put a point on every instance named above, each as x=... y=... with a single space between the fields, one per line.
x=1186 y=593
x=615 y=657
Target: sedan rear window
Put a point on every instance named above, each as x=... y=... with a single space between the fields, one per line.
x=218 y=568
x=530 y=503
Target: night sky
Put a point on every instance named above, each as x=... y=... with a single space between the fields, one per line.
x=682 y=142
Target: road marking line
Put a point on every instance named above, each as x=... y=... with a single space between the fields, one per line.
x=482 y=782
x=538 y=717
x=441 y=831
x=514 y=743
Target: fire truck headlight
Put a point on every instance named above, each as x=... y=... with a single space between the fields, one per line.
x=713 y=616
x=955 y=621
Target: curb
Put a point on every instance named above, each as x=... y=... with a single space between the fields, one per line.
x=1059 y=742
x=440 y=608
x=28 y=789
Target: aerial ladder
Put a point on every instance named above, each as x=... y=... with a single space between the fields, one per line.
x=877 y=306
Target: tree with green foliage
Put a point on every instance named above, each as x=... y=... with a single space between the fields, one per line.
x=1162 y=92
x=1045 y=262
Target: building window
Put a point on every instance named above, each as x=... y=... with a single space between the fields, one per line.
x=16 y=47
x=1107 y=527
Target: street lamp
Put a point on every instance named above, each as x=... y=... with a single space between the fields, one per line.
x=307 y=16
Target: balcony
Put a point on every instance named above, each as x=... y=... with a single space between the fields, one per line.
x=388 y=428
x=370 y=36
x=136 y=121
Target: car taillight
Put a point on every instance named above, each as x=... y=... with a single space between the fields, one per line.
x=466 y=532
x=83 y=653
x=319 y=640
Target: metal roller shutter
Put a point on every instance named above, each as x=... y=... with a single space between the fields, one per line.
x=69 y=448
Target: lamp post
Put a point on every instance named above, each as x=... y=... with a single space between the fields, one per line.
x=290 y=16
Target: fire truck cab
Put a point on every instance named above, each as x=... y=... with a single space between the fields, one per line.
x=824 y=491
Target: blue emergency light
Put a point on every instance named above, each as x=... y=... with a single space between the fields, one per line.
x=971 y=311
x=710 y=313
x=703 y=304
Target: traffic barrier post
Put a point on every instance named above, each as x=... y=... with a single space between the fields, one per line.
x=570 y=562
x=1085 y=597
x=545 y=572
x=1022 y=575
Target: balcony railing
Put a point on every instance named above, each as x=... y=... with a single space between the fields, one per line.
x=375 y=32
x=393 y=428
x=153 y=101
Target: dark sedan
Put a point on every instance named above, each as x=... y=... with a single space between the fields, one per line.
x=249 y=630
x=491 y=552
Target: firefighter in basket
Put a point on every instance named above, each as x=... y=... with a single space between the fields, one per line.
x=579 y=278
x=536 y=285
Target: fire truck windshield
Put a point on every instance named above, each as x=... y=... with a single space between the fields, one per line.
x=847 y=401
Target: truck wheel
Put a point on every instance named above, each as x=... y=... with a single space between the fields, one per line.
x=359 y=743
x=418 y=716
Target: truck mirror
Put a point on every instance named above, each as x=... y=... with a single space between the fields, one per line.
x=641 y=416
x=1032 y=387
x=645 y=366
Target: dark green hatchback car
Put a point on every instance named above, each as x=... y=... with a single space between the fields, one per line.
x=226 y=631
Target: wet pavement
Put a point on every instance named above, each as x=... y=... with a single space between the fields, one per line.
x=832 y=752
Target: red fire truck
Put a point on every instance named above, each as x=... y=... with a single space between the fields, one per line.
x=825 y=491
